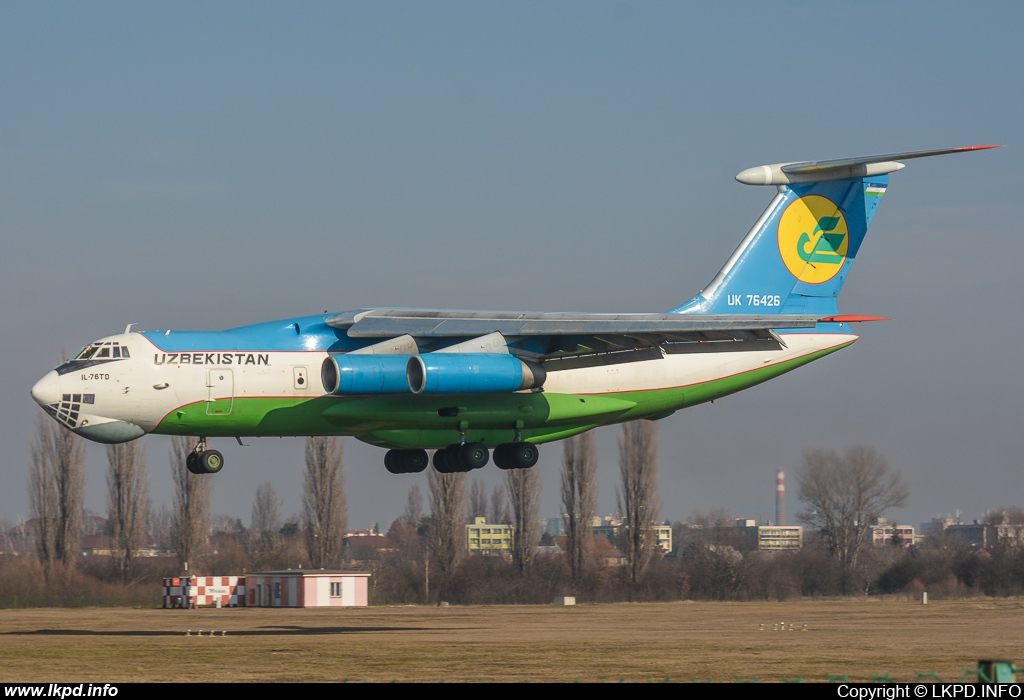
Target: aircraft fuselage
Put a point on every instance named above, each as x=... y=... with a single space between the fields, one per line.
x=266 y=380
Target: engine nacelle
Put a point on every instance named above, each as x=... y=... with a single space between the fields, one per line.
x=352 y=374
x=471 y=373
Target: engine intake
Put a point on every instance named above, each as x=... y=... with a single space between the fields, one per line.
x=471 y=373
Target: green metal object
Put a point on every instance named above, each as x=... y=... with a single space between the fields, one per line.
x=996 y=671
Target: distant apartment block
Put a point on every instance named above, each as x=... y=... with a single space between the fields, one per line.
x=979 y=535
x=612 y=529
x=883 y=532
x=485 y=538
x=773 y=538
x=554 y=526
x=663 y=535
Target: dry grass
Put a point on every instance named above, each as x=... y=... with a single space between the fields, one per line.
x=638 y=642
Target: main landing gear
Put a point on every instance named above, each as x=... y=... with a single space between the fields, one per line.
x=203 y=461
x=463 y=457
x=516 y=455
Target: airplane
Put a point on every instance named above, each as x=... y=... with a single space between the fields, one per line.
x=465 y=383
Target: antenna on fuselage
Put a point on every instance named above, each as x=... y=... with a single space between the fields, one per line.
x=128 y=328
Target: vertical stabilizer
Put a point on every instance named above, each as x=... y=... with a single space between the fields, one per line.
x=796 y=257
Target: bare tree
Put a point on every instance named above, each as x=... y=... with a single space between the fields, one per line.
x=413 y=507
x=477 y=499
x=266 y=509
x=127 y=503
x=57 y=490
x=190 y=527
x=498 y=512
x=844 y=494
x=523 y=487
x=579 y=499
x=43 y=493
x=447 y=530
x=265 y=525
x=638 y=498
x=160 y=527
x=325 y=505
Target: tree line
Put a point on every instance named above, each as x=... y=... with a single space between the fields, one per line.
x=426 y=559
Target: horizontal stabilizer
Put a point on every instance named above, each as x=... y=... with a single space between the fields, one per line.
x=840 y=168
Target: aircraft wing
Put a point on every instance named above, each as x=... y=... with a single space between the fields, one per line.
x=564 y=333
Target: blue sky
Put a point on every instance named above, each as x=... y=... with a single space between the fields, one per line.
x=196 y=166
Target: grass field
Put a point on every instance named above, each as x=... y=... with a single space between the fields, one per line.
x=631 y=642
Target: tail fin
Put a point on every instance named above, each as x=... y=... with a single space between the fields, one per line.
x=796 y=257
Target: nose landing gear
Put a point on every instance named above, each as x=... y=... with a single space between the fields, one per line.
x=203 y=461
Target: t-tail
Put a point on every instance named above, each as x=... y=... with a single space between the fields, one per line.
x=797 y=255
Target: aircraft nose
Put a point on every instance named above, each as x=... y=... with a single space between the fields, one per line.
x=47 y=390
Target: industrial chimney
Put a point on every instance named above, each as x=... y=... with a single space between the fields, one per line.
x=780 y=498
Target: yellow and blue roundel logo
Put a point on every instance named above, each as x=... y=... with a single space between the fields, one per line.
x=813 y=239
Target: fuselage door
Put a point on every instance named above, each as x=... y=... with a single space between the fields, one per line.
x=220 y=387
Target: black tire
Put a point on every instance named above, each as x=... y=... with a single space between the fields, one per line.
x=473 y=455
x=391 y=461
x=192 y=463
x=440 y=462
x=524 y=455
x=502 y=456
x=210 y=461
x=451 y=459
x=415 y=461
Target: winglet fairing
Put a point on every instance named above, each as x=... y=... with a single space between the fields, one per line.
x=466 y=382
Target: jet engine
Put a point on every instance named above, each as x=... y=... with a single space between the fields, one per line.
x=352 y=374
x=471 y=373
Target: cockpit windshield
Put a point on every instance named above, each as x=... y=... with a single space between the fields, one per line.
x=95 y=354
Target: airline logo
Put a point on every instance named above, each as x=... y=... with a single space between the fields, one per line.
x=813 y=239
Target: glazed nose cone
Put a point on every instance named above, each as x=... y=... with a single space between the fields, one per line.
x=47 y=390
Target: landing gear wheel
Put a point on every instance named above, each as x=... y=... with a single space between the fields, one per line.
x=499 y=456
x=524 y=454
x=391 y=462
x=473 y=455
x=451 y=459
x=406 y=461
x=502 y=456
x=192 y=463
x=415 y=461
x=210 y=461
x=441 y=461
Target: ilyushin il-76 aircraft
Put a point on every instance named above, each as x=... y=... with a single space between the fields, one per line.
x=464 y=383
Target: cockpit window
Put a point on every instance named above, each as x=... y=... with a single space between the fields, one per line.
x=95 y=354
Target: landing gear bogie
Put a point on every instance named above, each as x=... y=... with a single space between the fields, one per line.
x=516 y=455
x=461 y=458
x=406 y=461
